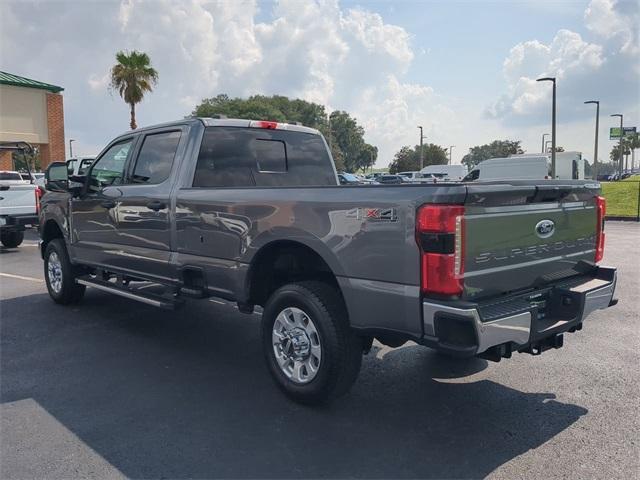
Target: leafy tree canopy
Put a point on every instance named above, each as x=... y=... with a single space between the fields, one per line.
x=495 y=149
x=408 y=159
x=349 y=150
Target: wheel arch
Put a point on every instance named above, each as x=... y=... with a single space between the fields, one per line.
x=49 y=231
x=284 y=261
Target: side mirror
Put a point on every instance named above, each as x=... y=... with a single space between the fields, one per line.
x=57 y=177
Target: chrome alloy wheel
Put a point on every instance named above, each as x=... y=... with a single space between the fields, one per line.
x=296 y=345
x=54 y=272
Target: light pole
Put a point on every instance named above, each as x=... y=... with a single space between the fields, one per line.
x=543 y=137
x=595 y=148
x=71 y=140
x=421 y=149
x=450 y=149
x=620 y=147
x=553 y=125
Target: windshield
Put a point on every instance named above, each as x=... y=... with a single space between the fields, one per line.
x=84 y=165
x=71 y=164
x=349 y=177
x=10 y=176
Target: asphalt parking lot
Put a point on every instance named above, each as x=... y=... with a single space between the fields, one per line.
x=113 y=388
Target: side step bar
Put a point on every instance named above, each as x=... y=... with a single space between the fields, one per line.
x=148 y=298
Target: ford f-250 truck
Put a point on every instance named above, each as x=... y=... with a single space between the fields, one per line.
x=251 y=211
x=19 y=204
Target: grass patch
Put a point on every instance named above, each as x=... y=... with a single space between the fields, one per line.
x=622 y=198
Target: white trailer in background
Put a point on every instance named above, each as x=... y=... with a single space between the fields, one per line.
x=569 y=165
x=512 y=168
x=447 y=173
x=529 y=166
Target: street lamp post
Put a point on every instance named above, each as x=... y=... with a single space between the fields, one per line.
x=71 y=140
x=595 y=148
x=620 y=147
x=553 y=125
x=421 y=149
x=543 y=137
x=450 y=150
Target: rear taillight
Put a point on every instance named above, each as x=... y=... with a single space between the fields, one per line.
x=601 y=210
x=440 y=236
x=38 y=193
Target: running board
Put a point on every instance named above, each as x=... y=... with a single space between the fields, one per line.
x=149 y=299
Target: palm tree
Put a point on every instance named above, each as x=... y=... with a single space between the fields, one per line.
x=132 y=77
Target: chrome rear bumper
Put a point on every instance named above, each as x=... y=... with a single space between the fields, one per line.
x=515 y=322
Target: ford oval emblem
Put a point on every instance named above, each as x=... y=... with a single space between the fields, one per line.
x=545 y=228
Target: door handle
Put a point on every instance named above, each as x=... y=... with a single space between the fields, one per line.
x=156 y=205
x=108 y=204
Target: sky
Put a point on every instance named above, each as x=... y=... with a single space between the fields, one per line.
x=464 y=70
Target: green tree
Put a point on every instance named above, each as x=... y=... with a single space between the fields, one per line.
x=349 y=137
x=408 y=159
x=20 y=160
x=132 y=77
x=495 y=149
x=629 y=143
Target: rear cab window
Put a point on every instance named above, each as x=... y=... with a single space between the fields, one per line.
x=248 y=157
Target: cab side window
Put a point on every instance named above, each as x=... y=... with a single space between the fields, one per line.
x=109 y=169
x=156 y=158
x=472 y=176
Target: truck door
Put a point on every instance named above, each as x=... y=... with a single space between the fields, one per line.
x=93 y=222
x=142 y=217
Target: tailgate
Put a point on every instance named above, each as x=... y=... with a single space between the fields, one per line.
x=17 y=199
x=525 y=236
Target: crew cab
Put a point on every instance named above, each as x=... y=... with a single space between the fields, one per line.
x=19 y=204
x=252 y=212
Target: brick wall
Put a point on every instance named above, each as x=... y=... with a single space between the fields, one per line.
x=55 y=150
x=5 y=161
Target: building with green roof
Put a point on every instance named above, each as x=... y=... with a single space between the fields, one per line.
x=31 y=111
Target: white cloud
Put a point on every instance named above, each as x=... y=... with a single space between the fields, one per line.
x=567 y=57
x=347 y=59
x=618 y=20
x=607 y=67
x=97 y=82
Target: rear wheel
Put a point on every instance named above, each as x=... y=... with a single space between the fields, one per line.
x=11 y=239
x=312 y=353
x=59 y=274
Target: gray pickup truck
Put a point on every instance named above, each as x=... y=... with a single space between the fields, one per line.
x=252 y=212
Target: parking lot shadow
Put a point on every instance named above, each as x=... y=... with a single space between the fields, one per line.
x=186 y=394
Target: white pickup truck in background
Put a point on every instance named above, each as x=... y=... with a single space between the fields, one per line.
x=19 y=207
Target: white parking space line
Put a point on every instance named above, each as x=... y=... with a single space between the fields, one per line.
x=217 y=301
x=20 y=277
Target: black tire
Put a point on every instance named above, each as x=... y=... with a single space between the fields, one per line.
x=341 y=348
x=69 y=292
x=12 y=239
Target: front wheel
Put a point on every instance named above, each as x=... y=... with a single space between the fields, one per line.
x=12 y=239
x=59 y=274
x=312 y=353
